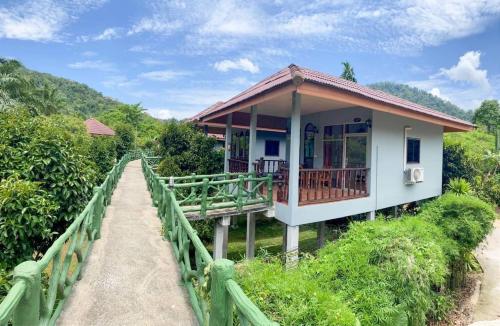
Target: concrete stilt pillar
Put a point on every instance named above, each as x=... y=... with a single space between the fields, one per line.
x=370 y=216
x=291 y=246
x=395 y=211
x=221 y=237
x=250 y=242
x=321 y=234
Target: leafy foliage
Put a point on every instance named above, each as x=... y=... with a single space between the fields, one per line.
x=422 y=97
x=103 y=153
x=186 y=149
x=125 y=139
x=488 y=115
x=459 y=186
x=290 y=298
x=38 y=150
x=348 y=72
x=27 y=214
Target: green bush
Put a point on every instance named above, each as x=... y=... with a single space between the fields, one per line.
x=463 y=218
x=103 y=154
x=386 y=271
x=27 y=214
x=289 y=298
x=125 y=139
x=168 y=167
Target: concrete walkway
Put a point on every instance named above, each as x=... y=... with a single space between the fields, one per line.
x=488 y=306
x=131 y=276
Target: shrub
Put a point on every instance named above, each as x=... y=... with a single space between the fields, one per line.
x=27 y=214
x=125 y=139
x=289 y=298
x=456 y=164
x=459 y=186
x=463 y=218
x=103 y=154
x=386 y=271
x=168 y=167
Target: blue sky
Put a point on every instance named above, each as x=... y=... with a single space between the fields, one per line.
x=178 y=57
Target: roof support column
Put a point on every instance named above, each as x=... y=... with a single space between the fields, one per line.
x=294 y=163
x=229 y=134
x=252 y=140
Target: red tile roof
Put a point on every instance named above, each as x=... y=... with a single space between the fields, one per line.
x=297 y=75
x=95 y=127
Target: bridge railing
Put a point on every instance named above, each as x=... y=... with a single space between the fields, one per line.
x=214 y=294
x=30 y=303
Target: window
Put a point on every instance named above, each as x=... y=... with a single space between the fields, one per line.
x=412 y=150
x=356 y=128
x=272 y=148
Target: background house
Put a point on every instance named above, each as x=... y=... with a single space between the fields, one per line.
x=96 y=128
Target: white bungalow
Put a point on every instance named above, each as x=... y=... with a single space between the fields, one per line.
x=337 y=147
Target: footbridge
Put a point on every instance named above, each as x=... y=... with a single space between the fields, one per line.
x=113 y=267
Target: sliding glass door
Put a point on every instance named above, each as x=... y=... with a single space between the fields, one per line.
x=345 y=146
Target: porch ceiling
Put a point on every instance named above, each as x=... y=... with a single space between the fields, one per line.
x=281 y=106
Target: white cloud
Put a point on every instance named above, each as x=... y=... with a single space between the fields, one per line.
x=163 y=75
x=240 y=64
x=108 y=34
x=467 y=70
x=93 y=64
x=119 y=81
x=154 y=62
x=89 y=54
x=163 y=114
x=436 y=92
x=155 y=24
x=41 y=20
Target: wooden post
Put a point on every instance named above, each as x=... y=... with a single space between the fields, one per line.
x=321 y=234
x=27 y=311
x=250 y=236
x=221 y=310
x=228 y=139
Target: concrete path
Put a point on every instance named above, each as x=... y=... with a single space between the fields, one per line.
x=488 y=306
x=131 y=276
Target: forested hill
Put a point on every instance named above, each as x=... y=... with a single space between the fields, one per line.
x=79 y=97
x=423 y=98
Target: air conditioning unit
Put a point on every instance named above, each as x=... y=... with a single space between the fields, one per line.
x=414 y=175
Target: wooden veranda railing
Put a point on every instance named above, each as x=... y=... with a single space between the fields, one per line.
x=213 y=292
x=28 y=302
x=238 y=165
x=326 y=185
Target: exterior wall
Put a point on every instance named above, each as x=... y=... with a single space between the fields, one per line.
x=262 y=136
x=385 y=158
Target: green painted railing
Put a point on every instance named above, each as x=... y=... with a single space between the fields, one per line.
x=214 y=295
x=28 y=302
x=203 y=193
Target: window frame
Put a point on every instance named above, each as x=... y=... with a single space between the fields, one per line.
x=276 y=143
x=412 y=151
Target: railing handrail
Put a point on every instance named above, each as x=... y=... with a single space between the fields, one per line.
x=327 y=169
x=215 y=311
x=26 y=302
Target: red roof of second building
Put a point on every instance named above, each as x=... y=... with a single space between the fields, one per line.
x=95 y=127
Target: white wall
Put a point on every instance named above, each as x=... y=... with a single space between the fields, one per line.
x=385 y=158
x=262 y=136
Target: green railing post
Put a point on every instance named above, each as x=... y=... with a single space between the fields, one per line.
x=97 y=212
x=168 y=214
x=241 y=189
x=270 y=189
x=227 y=189
x=252 y=185
x=27 y=312
x=204 y=195
x=221 y=312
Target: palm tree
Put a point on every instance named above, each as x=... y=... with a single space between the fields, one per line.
x=348 y=72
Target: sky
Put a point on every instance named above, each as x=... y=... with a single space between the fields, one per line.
x=178 y=57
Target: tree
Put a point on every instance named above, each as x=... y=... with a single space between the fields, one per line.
x=488 y=115
x=125 y=139
x=348 y=73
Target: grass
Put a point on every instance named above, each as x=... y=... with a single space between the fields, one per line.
x=268 y=237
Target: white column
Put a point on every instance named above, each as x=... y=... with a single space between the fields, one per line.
x=221 y=237
x=395 y=208
x=229 y=134
x=250 y=235
x=292 y=246
x=294 y=164
x=370 y=216
x=321 y=234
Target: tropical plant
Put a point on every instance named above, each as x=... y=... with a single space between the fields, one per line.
x=459 y=186
x=125 y=138
x=103 y=153
x=348 y=72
